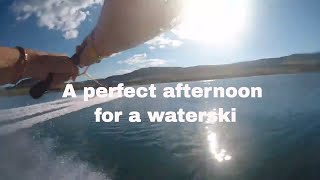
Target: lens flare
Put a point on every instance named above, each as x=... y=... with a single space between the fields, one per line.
x=218 y=22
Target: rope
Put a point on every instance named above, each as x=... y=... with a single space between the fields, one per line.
x=93 y=79
x=90 y=77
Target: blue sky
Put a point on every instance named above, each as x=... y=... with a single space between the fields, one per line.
x=276 y=28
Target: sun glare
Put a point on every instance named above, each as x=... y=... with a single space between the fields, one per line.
x=218 y=22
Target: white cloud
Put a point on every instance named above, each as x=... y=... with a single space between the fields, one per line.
x=62 y=15
x=141 y=60
x=124 y=71
x=162 y=42
x=71 y=34
x=135 y=59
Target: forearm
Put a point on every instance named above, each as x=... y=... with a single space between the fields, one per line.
x=124 y=24
x=9 y=57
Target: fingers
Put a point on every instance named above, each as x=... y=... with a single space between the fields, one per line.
x=39 y=65
x=63 y=70
x=88 y=53
x=59 y=80
x=60 y=65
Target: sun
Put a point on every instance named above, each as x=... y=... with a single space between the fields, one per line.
x=218 y=22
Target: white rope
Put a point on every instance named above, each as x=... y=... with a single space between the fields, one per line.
x=93 y=79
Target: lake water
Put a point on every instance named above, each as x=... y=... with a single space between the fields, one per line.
x=275 y=137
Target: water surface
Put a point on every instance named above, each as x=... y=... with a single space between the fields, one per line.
x=276 y=137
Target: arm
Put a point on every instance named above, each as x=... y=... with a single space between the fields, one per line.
x=124 y=24
x=9 y=57
x=37 y=66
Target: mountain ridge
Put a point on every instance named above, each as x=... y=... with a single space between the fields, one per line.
x=296 y=63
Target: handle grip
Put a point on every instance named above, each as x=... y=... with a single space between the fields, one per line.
x=38 y=90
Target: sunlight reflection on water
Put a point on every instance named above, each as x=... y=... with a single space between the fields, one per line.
x=219 y=154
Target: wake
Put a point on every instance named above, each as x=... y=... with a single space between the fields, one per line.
x=54 y=109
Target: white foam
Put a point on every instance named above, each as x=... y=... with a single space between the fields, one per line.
x=24 y=158
x=20 y=112
x=67 y=106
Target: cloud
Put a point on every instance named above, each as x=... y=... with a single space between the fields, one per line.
x=61 y=15
x=71 y=34
x=163 y=42
x=141 y=60
x=124 y=71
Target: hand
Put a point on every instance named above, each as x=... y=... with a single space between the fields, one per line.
x=40 y=64
x=87 y=52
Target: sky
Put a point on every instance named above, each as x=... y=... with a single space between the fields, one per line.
x=259 y=29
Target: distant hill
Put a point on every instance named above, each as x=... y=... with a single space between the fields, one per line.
x=296 y=63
